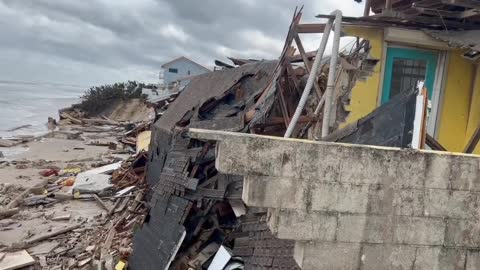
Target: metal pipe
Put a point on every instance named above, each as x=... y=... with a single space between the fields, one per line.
x=331 y=74
x=311 y=78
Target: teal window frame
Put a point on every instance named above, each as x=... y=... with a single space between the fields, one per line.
x=415 y=54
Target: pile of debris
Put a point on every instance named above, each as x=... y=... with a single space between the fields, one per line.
x=189 y=216
x=115 y=182
x=196 y=216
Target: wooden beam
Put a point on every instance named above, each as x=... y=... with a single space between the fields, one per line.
x=292 y=74
x=435 y=12
x=298 y=58
x=279 y=121
x=433 y=21
x=473 y=141
x=388 y=4
x=311 y=28
x=308 y=64
x=469 y=13
x=366 y=10
x=434 y=144
x=462 y=3
x=283 y=105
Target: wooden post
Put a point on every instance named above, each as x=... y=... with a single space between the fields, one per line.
x=388 y=5
x=473 y=141
x=308 y=64
x=366 y=10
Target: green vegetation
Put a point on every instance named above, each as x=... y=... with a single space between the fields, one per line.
x=98 y=98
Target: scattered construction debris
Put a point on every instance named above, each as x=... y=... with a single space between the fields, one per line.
x=164 y=205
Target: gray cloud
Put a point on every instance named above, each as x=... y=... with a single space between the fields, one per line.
x=99 y=41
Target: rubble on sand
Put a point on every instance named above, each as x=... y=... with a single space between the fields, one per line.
x=111 y=185
x=196 y=217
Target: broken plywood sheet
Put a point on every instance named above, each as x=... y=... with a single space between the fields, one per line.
x=107 y=169
x=87 y=183
x=143 y=141
x=15 y=260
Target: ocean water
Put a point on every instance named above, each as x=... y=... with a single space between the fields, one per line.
x=32 y=104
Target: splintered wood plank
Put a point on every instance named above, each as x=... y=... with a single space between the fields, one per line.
x=473 y=141
x=434 y=144
x=310 y=28
x=16 y=260
x=308 y=64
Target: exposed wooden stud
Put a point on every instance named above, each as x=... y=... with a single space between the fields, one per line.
x=283 y=105
x=388 y=4
x=310 y=28
x=292 y=74
x=434 y=144
x=473 y=141
x=298 y=58
x=274 y=121
x=366 y=10
x=308 y=64
x=426 y=20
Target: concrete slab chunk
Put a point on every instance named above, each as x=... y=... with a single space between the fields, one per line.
x=91 y=183
x=16 y=260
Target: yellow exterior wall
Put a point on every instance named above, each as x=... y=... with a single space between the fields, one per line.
x=454 y=115
x=474 y=114
x=459 y=114
x=365 y=93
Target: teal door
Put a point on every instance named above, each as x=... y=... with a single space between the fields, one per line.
x=404 y=67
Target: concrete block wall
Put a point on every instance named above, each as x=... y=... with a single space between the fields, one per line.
x=360 y=207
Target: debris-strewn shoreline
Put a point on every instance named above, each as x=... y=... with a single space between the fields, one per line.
x=73 y=199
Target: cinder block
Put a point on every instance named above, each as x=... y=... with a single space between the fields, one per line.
x=379 y=166
x=391 y=230
x=246 y=154
x=408 y=202
x=437 y=171
x=345 y=198
x=269 y=192
x=465 y=173
x=473 y=260
x=438 y=258
x=451 y=204
x=300 y=225
x=365 y=229
x=398 y=257
x=419 y=231
x=327 y=256
x=462 y=233
x=362 y=199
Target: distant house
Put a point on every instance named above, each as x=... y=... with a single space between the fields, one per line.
x=180 y=71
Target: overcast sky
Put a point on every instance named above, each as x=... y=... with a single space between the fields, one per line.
x=88 y=42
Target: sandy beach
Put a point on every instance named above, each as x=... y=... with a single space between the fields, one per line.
x=38 y=181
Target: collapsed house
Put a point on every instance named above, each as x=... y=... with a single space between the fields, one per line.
x=298 y=204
